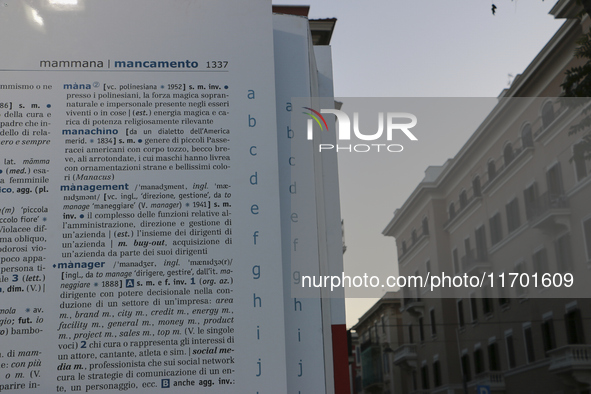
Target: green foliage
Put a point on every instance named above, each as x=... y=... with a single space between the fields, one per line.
x=578 y=78
x=577 y=84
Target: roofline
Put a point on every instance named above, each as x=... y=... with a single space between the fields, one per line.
x=391 y=297
x=565 y=9
x=322 y=30
x=299 y=10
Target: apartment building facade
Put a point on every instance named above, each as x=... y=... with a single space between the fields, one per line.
x=378 y=332
x=515 y=201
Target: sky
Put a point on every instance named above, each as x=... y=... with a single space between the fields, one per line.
x=416 y=48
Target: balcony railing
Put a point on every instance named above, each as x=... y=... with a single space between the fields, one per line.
x=503 y=163
x=413 y=243
x=412 y=305
x=544 y=203
x=462 y=207
x=473 y=260
x=559 y=111
x=570 y=357
x=405 y=355
x=494 y=379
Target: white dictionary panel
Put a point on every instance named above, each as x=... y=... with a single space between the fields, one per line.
x=295 y=77
x=140 y=238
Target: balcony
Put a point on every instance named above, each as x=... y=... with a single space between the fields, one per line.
x=464 y=206
x=500 y=169
x=371 y=368
x=559 y=122
x=413 y=305
x=414 y=244
x=494 y=379
x=475 y=262
x=405 y=356
x=549 y=213
x=570 y=358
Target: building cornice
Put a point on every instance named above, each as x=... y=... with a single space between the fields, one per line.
x=391 y=298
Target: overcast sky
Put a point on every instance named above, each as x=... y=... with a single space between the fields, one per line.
x=417 y=48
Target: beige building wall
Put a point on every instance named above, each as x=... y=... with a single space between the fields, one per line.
x=513 y=200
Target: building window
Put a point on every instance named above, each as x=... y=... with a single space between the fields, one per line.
x=452 y=211
x=480 y=235
x=574 y=327
x=487 y=307
x=496 y=230
x=428 y=265
x=547 y=114
x=476 y=187
x=425 y=377
x=554 y=180
x=414 y=379
x=527 y=140
x=487 y=302
x=513 y=221
x=503 y=300
x=421 y=330
x=383 y=324
x=520 y=291
x=563 y=253
x=463 y=199
x=386 y=362
x=492 y=170
x=529 y=344
x=410 y=334
x=425 y=225
x=478 y=361
x=414 y=236
x=436 y=373
x=493 y=357
x=407 y=296
x=587 y=230
x=474 y=307
x=468 y=250
x=540 y=261
x=433 y=322
x=530 y=195
x=403 y=247
x=508 y=155
x=365 y=336
x=456 y=260
x=460 y=307
x=510 y=351
x=548 y=336
x=579 y=160
x=466 y=368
